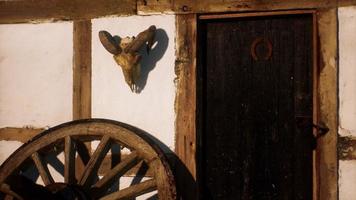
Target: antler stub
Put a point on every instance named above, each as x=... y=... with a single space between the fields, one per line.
x=126 y=52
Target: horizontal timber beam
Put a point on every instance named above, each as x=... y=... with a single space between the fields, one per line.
x=36 y=11
x=211 y=6
x=19 y=134
x=27 y=11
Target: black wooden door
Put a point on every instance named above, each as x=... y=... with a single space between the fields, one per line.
x=255 y=108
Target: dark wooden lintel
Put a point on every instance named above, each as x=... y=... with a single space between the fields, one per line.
x=213 y=6
x=347 y=148
x=25 y=11
x=30 y=11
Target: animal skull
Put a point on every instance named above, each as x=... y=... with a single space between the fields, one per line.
x=126 y=52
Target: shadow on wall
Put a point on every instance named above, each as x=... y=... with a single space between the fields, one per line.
x=149 y=60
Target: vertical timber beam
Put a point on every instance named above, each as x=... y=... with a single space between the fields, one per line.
x=82 y=80
x=81 y=69
x=185 y=106
x=327 y=145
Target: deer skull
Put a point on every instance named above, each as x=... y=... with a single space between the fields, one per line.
x=126 y=52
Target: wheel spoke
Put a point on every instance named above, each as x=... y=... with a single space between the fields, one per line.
x=9 y=193
x=42 y=169
x=69 y=163
x=141 y=173
x=119 y=170
x=93 y=165
x=133 y=191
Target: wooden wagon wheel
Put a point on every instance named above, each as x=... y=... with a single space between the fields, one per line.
x=65 y=139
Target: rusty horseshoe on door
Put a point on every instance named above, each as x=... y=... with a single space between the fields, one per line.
x=264 y=41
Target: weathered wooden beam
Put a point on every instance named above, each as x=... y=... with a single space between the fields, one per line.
x=154 y=7
x=262 y=5
x=24 y=11
x=209 y=6
x=30 y=11
x=82 y=78
x=255 y=14
x=185 y=102
x=82 y=69
x=185 y=106
x=342 y=3
x=327 y=145
x=19 y=134
x=347 y=148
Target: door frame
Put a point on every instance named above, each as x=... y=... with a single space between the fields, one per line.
x=324 y=93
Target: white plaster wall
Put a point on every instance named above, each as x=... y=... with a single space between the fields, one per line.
x=152 y=109
x=7 y=148
x=347 y=180
x=347 y=69
x=347 y=96
x=35 y=74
